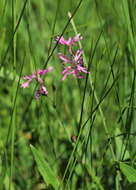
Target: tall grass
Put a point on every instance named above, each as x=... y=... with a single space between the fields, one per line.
x=82 y=135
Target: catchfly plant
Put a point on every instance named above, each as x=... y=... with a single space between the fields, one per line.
x=73 y=63
x=37 y=76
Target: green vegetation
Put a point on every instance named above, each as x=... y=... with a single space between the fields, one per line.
x=82 y=135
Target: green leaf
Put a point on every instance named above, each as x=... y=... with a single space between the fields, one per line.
x=129 y=172
x=44 y=169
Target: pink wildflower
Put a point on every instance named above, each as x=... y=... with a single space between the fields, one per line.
x=75 y=65
x=41 y=91
x=77 y=57
x=70 y=41
x=36 y=75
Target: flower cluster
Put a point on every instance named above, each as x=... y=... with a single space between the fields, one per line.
x=73 y=64
x=37 y=76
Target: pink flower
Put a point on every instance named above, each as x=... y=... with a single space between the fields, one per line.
x=41 y=91
x=36 y=75
x=70 y=41
x=77 y=57
x=75 y=66
x=76 y=71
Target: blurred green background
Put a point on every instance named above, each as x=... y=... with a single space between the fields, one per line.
x=98 y=112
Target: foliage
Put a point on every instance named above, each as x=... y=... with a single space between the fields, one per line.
x=84 y=128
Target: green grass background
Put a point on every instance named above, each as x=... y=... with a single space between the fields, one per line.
x=99 y=110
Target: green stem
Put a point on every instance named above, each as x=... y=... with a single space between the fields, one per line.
x=95 y=94
x=13 y=120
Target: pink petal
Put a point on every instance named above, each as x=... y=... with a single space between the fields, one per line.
x=61 y=40
x=77 y=37
x=43 y=71
x=39 y=80
x=74 y=39
x=66 y=70
x=81 y=69
x=65 y=76
x=76 y=74
x=78 y=55
x=64 y=58
x=70 y=41
x=25 y=84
